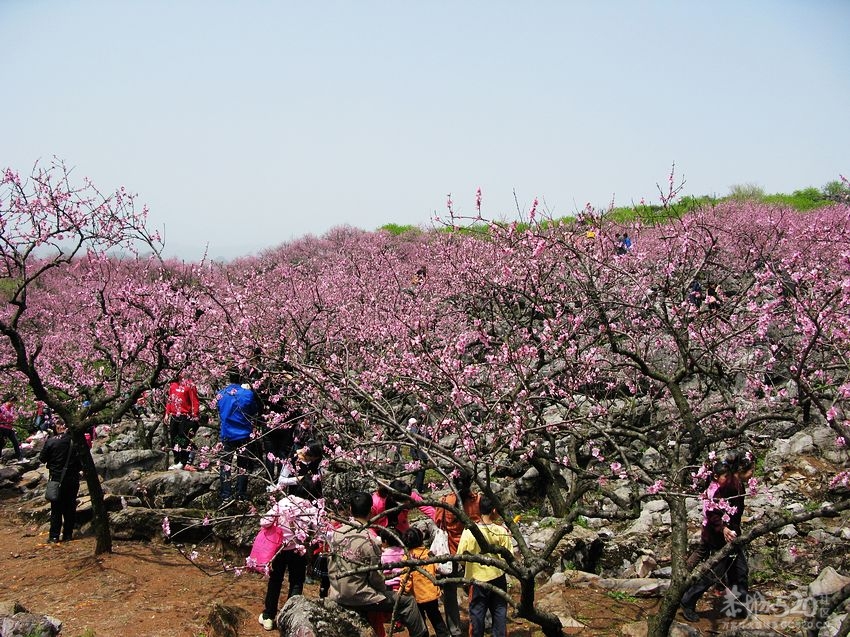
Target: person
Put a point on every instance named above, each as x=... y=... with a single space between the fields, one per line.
x=298 y=518
x=392 y=551
x=353 y=548
x=420 y=582
x=695 y=294
x=454 y=527
x=484 y=598
x=39 y=416
x=386 y=500
x=46 y=423
x=720 y=527
x=738 y=575
x=304 y=469
x=719 y=477
x=416 y=454
x=8 y=416
x=181 y=413
x=237 y=407
x=59 y=455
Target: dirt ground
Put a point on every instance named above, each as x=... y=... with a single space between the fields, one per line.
x=151 y=590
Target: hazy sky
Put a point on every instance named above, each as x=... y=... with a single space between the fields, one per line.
x=245 y=124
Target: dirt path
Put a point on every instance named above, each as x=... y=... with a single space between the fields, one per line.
x=151 y=590
x=145 y=589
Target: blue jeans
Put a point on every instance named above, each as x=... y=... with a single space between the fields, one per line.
x=480 y=601
x=244 y=463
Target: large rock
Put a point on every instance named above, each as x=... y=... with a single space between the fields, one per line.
x=17 y=621
x=120 y=463
x=170 y=489
x=139 y=523
x=319 y=618
x=580 y=549
x=828 y=582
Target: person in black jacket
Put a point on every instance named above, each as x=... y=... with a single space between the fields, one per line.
x=55 y=456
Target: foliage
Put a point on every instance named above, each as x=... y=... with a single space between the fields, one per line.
x=396 y=229
x=538 y=343
x=622 y=596
x=87 y=316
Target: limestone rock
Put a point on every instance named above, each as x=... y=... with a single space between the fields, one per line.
x=119 y=463
x=828 y=582
x=320 y=618
x=223 y=621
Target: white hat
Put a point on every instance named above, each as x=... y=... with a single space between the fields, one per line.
x=412 y=422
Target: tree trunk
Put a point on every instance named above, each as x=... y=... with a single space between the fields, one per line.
x=659 y=625
x=553 y=484
x=549 y=623
x=100 y=519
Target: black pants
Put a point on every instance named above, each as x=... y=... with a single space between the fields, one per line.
x=180 y=431
x=10 y=435
x=297 y=565
x=431 y=610
x=733 y=571
x=64 y=510
x=277 y=441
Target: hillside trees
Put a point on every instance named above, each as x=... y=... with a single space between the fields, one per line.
x=613 y=375
x=85 y=316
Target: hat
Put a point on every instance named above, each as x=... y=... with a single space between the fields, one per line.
x=412 y=422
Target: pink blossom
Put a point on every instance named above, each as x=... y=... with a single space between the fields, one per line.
x=656 y=487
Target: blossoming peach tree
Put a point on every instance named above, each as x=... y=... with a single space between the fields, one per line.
x=542 y=344
x=90 y=315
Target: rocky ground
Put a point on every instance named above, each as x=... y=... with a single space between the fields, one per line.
x=149 y=587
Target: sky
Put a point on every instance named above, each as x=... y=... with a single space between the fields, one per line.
x=244 y=125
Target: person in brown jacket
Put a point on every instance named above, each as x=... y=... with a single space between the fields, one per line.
x=454 y=526
x=352 y=548
x=419 y=582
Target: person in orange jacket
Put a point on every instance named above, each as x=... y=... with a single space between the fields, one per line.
x=419 y=582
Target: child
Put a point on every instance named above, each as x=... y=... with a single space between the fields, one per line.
x=720 y=475
x=482 y=599
x=391 y=551
x=419 y=581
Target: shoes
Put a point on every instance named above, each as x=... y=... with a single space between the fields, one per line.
x=189 y=467
x=226 y=503
x=267 y=624
x=740 y=612
x=54 y=540
x=176 y=467
x=690 y=614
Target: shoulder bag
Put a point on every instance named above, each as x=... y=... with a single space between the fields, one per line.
x=51 y=493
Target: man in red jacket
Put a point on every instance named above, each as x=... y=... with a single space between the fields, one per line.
x=181 y=414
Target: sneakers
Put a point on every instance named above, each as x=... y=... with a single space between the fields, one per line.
x=54 y=540
x=189 y=467
x=176 y=467
x=690 y=614
x=267 y=624
x=226 y=504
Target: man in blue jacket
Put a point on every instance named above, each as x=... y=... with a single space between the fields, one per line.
x=237 y=408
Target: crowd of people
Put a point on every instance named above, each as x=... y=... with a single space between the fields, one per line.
x=362 y=549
